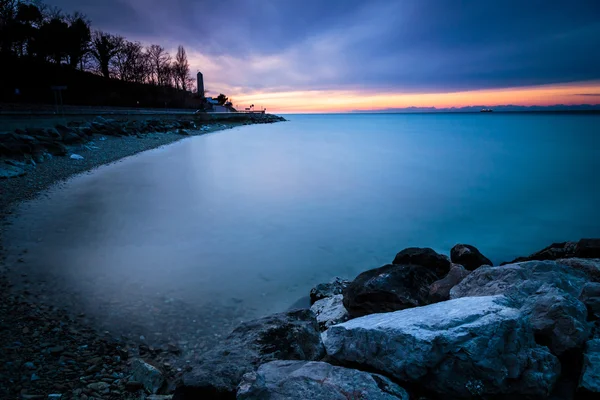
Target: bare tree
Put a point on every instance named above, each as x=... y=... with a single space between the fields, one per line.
x=132 y=64
x=160 y=62
x=181 y=69
x=104 y=48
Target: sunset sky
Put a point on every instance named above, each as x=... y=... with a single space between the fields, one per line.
x=343 y=55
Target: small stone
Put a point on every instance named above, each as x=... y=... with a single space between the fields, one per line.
x=76 y=157
x=34 y=378
x=133 y=386
x=101 y=387
x=56 y=350
x=55 y=396
x=29 y=365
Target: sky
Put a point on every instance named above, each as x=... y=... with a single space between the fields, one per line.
x=342 y=55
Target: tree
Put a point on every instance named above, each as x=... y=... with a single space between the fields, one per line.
x=104 y=48
x=52 y=38
x=160 y=62
x=222 y=99
x=131 y=64
x=181 y=69
x=79 y=38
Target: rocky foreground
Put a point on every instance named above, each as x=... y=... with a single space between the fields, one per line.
x=425 y=327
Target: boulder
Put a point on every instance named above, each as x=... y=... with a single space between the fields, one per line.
x=56 y=149
x=71 y=137
x=330 y=311
x=149 y=376
x=425 y=257
x=324 y=290
x=463 y=348
x=590 y=296
x=588 y=248
x=10 y=171
x=589 y=384
x=585 y=248
x=388 y=288
x=286 y=336
x=589 y=266
x=293 y=380
x=468 y=256
x=545 y=291
x=440 y=290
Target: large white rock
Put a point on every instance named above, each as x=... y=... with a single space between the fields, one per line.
x=473 y=346
x=545 y=291
x=330 y=311
x=294 y=380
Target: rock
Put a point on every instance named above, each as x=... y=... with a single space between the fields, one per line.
x=184 y=132
x=468 y=256
x=10 y=171
x=55 y=351
x=589 y=266
x=585 y=248
x=590 y=296
x=286 y=336
x=76 y=157
x=71 y=137
x=56 y=149
x=590 y=374
x=55 y=396
x=283 y=380
x=440 y=290
x=388 y=288
x=330 y=311
x=100 y=387
x=463 y=348
x=149 y=376
x=133 y=386
x=425 y=257
x=545 y=291
x=588 y=248
x=324 y=290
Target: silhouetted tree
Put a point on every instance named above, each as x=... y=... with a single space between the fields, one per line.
x=132 y=64
x=160 y=62
x=79 y=38
x=104 y=49
x=181 y=69
x=222 y=99
x=52 y=38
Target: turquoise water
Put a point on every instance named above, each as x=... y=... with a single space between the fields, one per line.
x=252 y=218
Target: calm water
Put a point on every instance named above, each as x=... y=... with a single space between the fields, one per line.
x=237 y=224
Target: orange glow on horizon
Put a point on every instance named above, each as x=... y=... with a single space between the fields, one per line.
x=344 y=101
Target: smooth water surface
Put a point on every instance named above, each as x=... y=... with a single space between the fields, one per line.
x=241 y=223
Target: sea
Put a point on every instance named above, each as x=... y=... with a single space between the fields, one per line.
x=192 y=238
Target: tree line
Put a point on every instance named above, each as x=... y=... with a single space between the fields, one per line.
x=31 y=29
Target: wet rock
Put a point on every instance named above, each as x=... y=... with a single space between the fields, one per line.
x=330 y=311
x=589 y=266
x=545 y=291
x=464 y=348
x=330 y=289
x=287 y=336
x=149 y=376
x=280 y=380
x=388 y=288
x=425 y=257
x=468 y=256
x=100 y=387
x=440 y=290
x=76 y=157
x=10 y=171
x=590 y=296
x=589 y=384
x=585 y=248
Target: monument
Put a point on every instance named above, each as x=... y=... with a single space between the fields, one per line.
x=200 y=85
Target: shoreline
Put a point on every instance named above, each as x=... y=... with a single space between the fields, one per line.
x=49 y=350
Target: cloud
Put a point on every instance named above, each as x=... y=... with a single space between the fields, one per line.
x=409 y=46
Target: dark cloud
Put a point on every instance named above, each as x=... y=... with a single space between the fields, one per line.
x=404 y=45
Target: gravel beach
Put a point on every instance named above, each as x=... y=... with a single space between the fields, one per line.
x=48 y=352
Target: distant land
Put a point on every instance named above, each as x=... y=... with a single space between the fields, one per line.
x=503 y=108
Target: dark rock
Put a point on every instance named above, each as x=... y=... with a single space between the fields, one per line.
x=465 y=348
x=324 y=290
x=590 y=296
x=287 y=336
x=134 y=386
x=468 y=256
x=149 y=376
x=388 y=288
x=589 y=384
x=71 y=137
x=280 y=380
x=545 y=291
x=330 y=311
x=10 y=171
x=57 y=149
x=425 y=257
x=440 y=290
x=588 y=248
